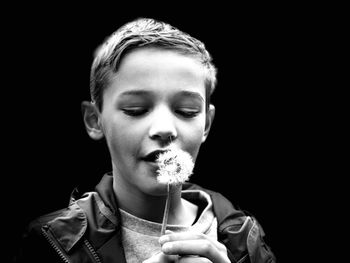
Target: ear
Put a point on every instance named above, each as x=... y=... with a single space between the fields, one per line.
x=91 y=116
x=208 y=122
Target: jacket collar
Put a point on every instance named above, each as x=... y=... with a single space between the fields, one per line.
x=105 y=191
x=223 y=209
x=71 y=224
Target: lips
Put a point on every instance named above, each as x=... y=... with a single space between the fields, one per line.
x=152 y=156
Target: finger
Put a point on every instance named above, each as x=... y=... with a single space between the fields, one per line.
x=193 y=259
x=161 y=258
x=182 y=236
x=200 y=247
x=171 y=236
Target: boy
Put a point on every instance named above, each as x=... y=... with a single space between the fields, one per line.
x=150 y=90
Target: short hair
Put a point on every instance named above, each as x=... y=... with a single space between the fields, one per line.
x=143 y=32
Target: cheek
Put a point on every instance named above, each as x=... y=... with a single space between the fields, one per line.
x=193 y=138
x=122 y=140
x=118 y=136
x=125 y=138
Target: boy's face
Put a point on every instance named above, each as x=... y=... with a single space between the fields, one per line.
x=155 y=95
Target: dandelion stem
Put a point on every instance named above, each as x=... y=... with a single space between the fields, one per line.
x=166 y=212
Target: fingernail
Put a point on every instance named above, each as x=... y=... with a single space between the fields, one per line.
x=163 y=239
x=166 y=247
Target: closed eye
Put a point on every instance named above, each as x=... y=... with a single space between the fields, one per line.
x=187 y=112
x=134 y=111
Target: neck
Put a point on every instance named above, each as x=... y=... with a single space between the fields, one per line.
x=149 y=207
x=182 y=212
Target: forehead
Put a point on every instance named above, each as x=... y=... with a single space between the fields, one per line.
x=157 y=68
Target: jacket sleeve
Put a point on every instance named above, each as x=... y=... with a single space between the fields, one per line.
x=245 y=242
x=258 y=250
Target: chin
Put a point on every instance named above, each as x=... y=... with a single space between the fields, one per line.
x=157 y=189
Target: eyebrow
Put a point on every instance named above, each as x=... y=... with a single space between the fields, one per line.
x=186 y=93
x=135 y=93
x=191 y=94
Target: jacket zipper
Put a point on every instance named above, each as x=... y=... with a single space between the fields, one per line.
x=92 y=251
x=55 y=247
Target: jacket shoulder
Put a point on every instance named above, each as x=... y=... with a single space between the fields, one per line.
x=37 y=223
x=33 y=246
x=60 y=229
x=238 y=230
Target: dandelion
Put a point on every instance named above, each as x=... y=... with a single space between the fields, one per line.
x=175 y=168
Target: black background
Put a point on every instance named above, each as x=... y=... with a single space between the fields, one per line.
x=258 y=152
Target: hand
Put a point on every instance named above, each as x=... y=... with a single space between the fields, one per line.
x=193 y=247
x=162 y=258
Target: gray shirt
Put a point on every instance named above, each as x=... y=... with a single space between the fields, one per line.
x=140 y=237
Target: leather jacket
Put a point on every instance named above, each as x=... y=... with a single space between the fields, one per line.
x=89 y=230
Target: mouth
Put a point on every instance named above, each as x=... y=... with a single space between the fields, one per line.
x=152 y=156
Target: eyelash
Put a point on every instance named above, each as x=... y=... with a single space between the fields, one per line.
x=187 y=113
x=135 y=112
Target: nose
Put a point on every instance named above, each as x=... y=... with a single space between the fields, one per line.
x=163 y=126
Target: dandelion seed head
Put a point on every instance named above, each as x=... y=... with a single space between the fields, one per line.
x=175 y=166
